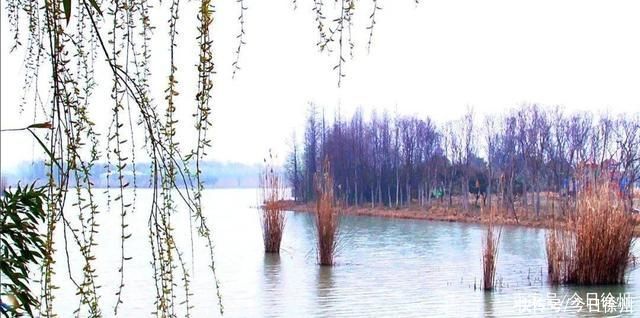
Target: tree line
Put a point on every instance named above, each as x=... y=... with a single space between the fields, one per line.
x=213 y=174
x=396 y=160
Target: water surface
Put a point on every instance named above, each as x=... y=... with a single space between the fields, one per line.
x=385 y=267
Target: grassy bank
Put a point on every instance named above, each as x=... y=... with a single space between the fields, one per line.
x=440 y=212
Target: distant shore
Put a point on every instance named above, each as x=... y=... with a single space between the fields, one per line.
x=439 y=213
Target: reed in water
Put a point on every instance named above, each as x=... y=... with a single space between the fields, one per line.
x=594 y=247
x=490 y=254
x=327 y=217
x=273 y=215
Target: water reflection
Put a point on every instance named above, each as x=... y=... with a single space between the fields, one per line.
x=488 y=299
x=272 y=289
x=325 y=288
x=271 y=272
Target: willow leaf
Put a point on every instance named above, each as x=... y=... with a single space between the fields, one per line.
x=67 y=9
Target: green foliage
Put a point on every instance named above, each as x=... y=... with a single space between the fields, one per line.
x=67 y=8
x=22 y=243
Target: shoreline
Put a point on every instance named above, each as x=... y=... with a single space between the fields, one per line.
x=443 y=214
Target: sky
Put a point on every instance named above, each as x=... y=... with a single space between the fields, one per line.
x=434 y=59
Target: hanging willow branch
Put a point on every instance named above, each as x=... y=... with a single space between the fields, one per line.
x=206 y=69
x=240 y=37
x=70 y=39
x=372 y=23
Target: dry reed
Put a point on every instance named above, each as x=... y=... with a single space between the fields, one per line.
x=273 y=215
x=327 y=217
x=490 y=254
x=594 y=247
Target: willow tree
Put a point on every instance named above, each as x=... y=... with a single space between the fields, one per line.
x=66 y=42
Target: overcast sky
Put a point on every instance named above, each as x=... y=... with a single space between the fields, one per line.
x=435 y=59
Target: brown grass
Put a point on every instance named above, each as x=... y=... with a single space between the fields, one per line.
x=594 y=245
x=490 y=254
x=273 y=215
x=327 y=217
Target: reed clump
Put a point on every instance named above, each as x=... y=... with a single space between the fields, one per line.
x=273 y=214
x=556 y=248
x=594 y=246
x=327 y=217
x=490 y=254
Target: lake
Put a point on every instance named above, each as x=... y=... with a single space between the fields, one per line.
x=385 y=267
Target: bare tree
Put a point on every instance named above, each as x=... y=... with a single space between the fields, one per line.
x=467 y=145
x=310 y=152
x=530 y=150
x=491 y=140
x=293 y=171
x=628 y=135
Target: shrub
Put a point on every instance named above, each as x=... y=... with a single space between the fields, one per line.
x=22 y=243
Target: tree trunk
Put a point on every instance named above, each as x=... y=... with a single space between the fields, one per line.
x=525 y=202
x=450 y=193
x=356 y=196
x=510 y=200
x=465 y=194
x=537 y=196
x=373 y=199
x=488 y=192
x=397 y=189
